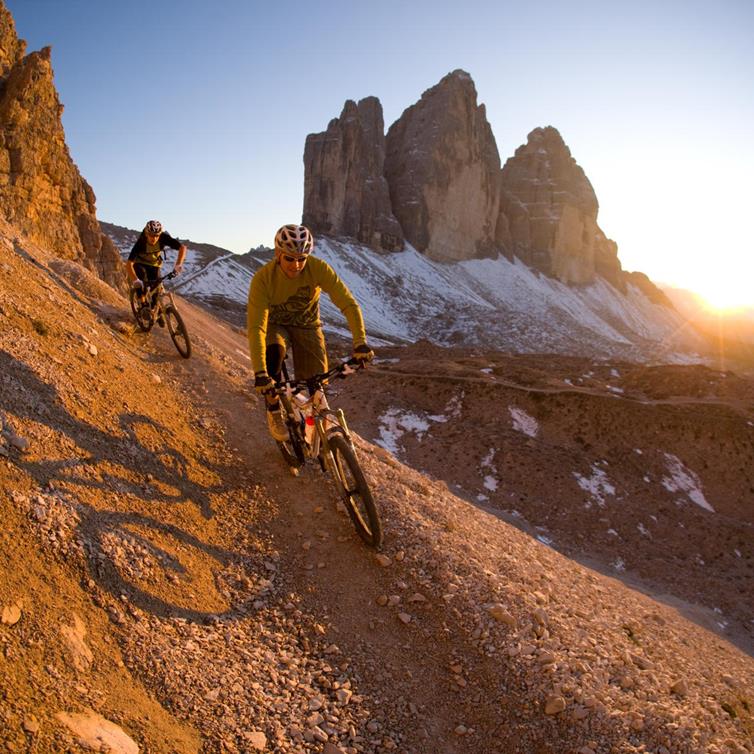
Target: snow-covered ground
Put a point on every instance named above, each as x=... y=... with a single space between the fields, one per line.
x=491 y=303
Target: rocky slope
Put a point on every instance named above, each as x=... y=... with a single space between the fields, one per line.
x=645 y=472
x=41 y=189
x=167 y=587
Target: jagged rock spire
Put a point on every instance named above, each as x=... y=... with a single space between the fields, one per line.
x=442 y=167
x=345 y=191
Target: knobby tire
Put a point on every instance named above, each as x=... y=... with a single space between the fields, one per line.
x=141 y=311
x=293 y=449
x=178 y=331
x=356 y=493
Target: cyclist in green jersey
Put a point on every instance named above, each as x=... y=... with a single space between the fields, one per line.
x=283 y=313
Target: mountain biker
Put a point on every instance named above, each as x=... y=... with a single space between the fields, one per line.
x=283 y=312
x=145 y=259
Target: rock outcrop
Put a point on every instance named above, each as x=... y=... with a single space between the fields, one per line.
x=442 y=166
x=551 y=209
x=41 y=190
x=436 y=181
x=345 y=191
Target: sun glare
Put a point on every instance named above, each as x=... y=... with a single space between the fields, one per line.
x=726 y=296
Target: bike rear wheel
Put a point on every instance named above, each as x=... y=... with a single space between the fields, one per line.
x=355 y=491
x=178 y=331
x=141 y=310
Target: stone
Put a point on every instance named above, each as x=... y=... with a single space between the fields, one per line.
x=383 y=560
x=31 y=724
x=97 y=733
x=11 y=615
x=345 y=191
x=18 y=442
x=74 y=638
x=554 y=705
x=256 y=739
x=545 y=658
x=680 y=687
x=442 y=167
x=500 y=614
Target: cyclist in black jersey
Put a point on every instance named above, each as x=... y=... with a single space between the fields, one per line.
x=145 y=259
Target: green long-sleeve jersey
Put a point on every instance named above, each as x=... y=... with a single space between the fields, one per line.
x=275 y=298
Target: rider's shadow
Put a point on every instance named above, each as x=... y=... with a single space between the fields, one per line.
x=28 y=397
x=122 y=546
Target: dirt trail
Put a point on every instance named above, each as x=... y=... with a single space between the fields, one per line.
x=322 y=559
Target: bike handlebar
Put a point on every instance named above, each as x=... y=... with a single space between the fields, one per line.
x=169 y=276
x=340 y=371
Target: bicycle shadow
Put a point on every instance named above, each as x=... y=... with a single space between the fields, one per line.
x=99 y=454
x=113 y=536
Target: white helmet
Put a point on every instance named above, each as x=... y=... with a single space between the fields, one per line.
x=153 y=227
x=296 y=240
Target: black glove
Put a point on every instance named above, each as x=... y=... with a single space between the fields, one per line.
x=263 y=383
x=363 y=354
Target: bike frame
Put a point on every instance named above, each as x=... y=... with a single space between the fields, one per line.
x=157 y=292
x=313 y=410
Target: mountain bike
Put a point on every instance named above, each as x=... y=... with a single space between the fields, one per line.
x=156 y=304
x=316 y=431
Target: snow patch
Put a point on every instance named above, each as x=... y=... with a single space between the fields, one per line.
x=522 y=422
x=684 y=480
x=597 y=485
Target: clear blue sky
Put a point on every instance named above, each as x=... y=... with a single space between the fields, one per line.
x=196 y=112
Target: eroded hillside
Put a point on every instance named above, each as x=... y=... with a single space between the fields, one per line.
x=166 y=582
x=644 y=471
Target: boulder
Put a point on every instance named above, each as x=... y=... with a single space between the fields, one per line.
x=42 y=192
x=442 y=166
x=345 y=191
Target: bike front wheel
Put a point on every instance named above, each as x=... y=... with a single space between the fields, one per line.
x=355 y=491
x=293 y=449
x=141 y=310
x=178 y=331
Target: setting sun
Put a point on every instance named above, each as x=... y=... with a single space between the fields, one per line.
x=725 y=295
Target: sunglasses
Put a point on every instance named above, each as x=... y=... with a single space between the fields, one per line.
x=291 y=260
